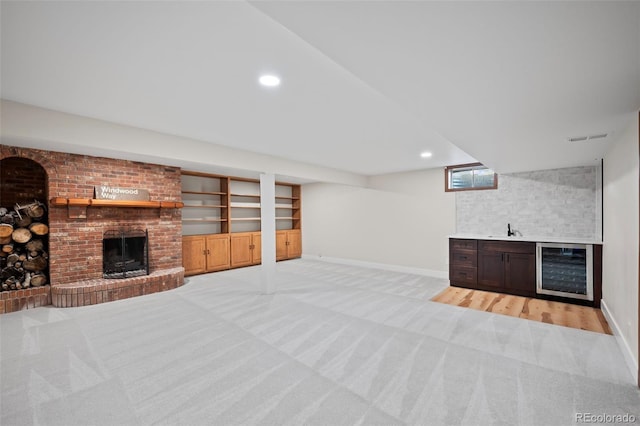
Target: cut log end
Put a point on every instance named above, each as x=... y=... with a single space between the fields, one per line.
x=38 y=279
x=21 y=235
x=35 y=245
x=5 y=230
x=39 y=228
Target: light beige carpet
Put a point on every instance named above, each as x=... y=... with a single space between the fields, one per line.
x=336 y=345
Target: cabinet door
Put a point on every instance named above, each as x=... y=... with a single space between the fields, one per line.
x=256 y=248
x=193 y=255
x=241 y=250
x=294 y=246
x=218 y=253
x=491 y=269
x=281 y=245
x=520 y=273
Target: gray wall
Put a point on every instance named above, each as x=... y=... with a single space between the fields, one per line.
x=546 y=203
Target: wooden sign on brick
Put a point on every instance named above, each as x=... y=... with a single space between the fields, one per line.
x=102 y=192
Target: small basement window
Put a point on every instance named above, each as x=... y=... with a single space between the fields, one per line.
x=469 y=177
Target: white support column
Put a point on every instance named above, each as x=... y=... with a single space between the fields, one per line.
x=268 y=232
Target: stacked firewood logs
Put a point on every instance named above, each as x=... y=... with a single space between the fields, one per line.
x=23 y=244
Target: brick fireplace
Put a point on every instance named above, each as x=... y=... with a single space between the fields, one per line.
x=76 y=230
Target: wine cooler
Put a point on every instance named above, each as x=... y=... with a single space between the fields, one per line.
x=565 y=270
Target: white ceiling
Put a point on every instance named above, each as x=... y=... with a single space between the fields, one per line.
x=366 y=86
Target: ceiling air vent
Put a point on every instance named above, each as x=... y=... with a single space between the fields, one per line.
x=600 y=136
x=588 y=138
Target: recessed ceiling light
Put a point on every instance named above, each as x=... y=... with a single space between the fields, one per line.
x=269 y=80
x=425 y=154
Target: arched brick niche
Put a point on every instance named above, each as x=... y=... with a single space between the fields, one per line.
x=75 y=241
x=22 y=180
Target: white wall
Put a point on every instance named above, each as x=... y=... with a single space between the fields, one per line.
x=32 y=127
x=620 y=249
x=403 y=219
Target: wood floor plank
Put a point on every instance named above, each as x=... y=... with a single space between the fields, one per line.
x=539 y=310
x=508 y=305
x=551 y=312
x=451 y=296
x=479 y=300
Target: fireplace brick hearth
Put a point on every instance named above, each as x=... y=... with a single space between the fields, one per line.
x=92 y=292
x=75 y=234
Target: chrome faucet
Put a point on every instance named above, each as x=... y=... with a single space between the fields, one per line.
x=509 y=231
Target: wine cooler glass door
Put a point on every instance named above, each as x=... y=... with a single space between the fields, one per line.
x=565 y=270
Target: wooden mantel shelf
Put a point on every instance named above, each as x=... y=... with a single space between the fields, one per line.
x=86 y=202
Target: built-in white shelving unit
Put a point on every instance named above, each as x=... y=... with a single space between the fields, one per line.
x=205 y=208
x=244 y=203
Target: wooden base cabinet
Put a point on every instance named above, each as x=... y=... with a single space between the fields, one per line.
x=501 y=266
x=288 y=244
x=507 y=266
x=205 y=253
x=217 y=252
x=246 y=249
x=463 y=262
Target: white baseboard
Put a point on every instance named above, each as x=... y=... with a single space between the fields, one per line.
x=384 y=266
x=632 y=363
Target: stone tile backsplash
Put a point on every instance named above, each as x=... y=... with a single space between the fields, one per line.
x=558 y=203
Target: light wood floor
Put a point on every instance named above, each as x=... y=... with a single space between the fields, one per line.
x=565 y=314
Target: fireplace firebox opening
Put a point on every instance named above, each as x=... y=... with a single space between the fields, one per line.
x=125 y=253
